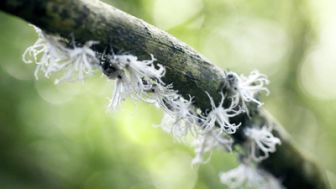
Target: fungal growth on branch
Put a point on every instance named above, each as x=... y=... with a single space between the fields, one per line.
x=52 y=56
x=247 y=176
x=261 y=141
x=143 y=80
x=246 y=88
x=134 y=78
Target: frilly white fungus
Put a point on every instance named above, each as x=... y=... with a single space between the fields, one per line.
x=261 y=142
x=142 y=80
x=247 y=88
x=52 y=56
x=247 y=176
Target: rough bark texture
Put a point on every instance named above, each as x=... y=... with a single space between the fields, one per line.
x=190 y=73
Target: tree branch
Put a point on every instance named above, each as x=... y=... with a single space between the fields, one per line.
x=190 y=73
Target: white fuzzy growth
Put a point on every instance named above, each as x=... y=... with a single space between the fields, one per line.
x=123 y=88
x=81 y=62
x=247 y=88
x=180 y=118
x=206 y=142
x=249 y=177
x=178 y=128
x=181 y=109
x=135 y=78
x=46 y=52
x=262 y=142
x=51 y=55
x=220 y=116
x=163 y=97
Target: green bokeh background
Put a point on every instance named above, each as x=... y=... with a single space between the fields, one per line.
x=62 y=136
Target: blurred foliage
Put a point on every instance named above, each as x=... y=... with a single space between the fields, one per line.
x=63 y=137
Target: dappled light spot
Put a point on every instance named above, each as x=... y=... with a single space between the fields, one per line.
x=317 y=74
x=136 y=121
x=249 y=41
x=171 y=170
x=168 y=14
x=18 y=71
x=56 y=94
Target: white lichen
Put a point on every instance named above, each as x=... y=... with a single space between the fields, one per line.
x=51 y=55
x=178 y=128
x=220 y=116
x=81 y=62
x=247 y=176
x=183 y=109
x=165 y=97
x=135 y=78
x=46 y=52
x=261 y=142
x=122 y=89
x=205 y=143
x=142 y=80
x=246 y=89
x=180 y=118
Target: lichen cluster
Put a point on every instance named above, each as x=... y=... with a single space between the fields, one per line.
x=142 y=80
